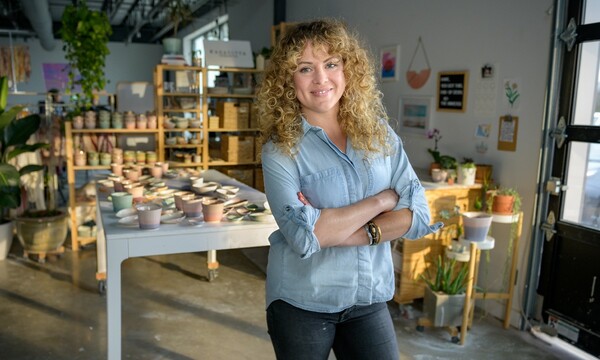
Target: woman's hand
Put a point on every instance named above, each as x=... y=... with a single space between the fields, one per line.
x=389 y=199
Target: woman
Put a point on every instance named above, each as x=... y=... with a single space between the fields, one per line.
x=340 y=187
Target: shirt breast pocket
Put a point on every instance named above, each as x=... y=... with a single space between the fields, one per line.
x=379 y=171
x=325 y=189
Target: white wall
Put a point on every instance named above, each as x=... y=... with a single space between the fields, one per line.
x=133 y=62
x=461 y=35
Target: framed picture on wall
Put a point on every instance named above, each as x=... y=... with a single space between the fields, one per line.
x=390 y=63
x=415 y=114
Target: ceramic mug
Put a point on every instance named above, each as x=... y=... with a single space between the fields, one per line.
x=121 y=200
x=149 y=216
x=213 y=210
x=180 y=196
x=192 y=207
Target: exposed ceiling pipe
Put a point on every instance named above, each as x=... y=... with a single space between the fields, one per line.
x=159 y=7
x=38 y=13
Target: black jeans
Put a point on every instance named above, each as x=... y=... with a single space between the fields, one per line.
x=360 y=332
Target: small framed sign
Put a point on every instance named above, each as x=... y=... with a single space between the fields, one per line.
x=234 y=53
x=452 y=91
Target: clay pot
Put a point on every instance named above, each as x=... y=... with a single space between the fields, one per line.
x=213 y=210
x=503 y=204
x=149 y=216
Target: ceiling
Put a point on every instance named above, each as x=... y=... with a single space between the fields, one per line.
x=139 y=21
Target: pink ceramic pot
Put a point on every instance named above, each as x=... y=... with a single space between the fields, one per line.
x=135 y=189
x=180 y=196
x=116 y=169
x=149 y=216
x=156 y=171
x=192 y=208
x=213 y=210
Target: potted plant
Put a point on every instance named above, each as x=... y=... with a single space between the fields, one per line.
x=435 y=153
x=85 y=34
x=466 y=172
x=179 y=13
x=14 y=134
x=506 y=201
x=444 y=298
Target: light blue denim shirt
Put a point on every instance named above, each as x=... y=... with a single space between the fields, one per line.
x=335 y=278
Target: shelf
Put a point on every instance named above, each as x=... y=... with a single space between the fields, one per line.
x=117 y=131
x=183 y=129
x=236 y=70
x=183 y=146
x=236 y=96
x=229 y=163
x=175 y=164
x=168 y=67
x=183 y=94
x=232 y=130
x=90 y=167
x=181 y=111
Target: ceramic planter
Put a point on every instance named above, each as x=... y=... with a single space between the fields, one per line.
x=443 y=309
x=149 y=216
x=476 y=225
x=503 y=204
x=213 y=210
x=6 y=238
x=466 y=175
x=42 y=234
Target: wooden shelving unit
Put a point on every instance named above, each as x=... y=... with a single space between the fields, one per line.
x=76 y=240
x=205 y=99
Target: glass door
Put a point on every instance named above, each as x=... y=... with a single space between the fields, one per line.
x=569 y=281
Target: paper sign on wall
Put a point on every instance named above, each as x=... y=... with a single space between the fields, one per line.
x=233 y=53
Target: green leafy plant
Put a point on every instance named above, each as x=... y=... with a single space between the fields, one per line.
x=179 y=13
x=85 y=34
x=447 y=279
x=467 y=163
x=14 y=134
x=447 y=162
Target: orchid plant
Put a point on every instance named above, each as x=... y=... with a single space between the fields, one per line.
x=436 y=136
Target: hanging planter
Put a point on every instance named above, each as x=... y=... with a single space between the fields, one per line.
x=416 y=79
x=85 y=34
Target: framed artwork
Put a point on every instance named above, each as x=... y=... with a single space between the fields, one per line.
x=415 y=114
x=390 y=63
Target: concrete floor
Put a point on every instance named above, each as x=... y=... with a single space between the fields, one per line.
x=170 y=311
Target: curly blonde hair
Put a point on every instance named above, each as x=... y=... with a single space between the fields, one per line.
x=361 y=107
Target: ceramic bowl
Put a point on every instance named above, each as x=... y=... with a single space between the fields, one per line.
x=204 y=188
x=233 y=189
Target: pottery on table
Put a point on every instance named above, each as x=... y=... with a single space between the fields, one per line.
x=192 y=207
x=180 y=196
x=213 y=210
x=121 y=200
x=149 y=215
x=116 y=168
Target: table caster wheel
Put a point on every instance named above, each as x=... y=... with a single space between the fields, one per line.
x=420 y=328
x=102 y=287
x=455 y=340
